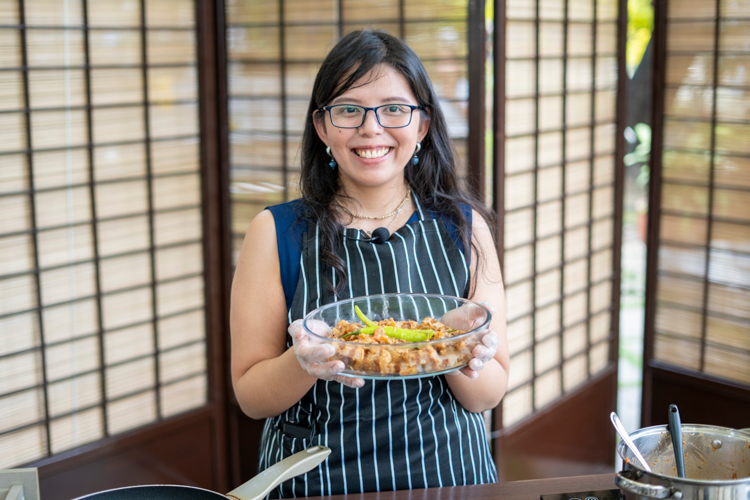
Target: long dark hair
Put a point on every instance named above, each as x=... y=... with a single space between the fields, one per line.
x=434 y=180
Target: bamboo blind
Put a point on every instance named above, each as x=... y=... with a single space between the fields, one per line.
x=101 y=268
x=275 y=48
x=559 y=172
x=703 y=284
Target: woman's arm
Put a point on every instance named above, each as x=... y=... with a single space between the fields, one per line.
x=267 y=377
x=486 y=391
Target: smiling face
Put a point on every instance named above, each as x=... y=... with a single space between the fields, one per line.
x=371 y=155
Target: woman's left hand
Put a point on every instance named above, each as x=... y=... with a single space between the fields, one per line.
x=467 y=318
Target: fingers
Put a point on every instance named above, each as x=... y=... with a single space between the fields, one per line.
x=451 y=319
x=466 y=317
x=311 y=356
x=474 y=316
x=482 y=352
x=486 y=349
x=330 y=370
x=319 y=327
x=476 y=364
x=314 y=353
x=490 y=339
x=469 y=372
x=314 y=357
x=327 y=370
x=295 y=329
x=353 y=382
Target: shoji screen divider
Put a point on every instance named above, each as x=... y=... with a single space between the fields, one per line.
x=698 y=286
x=559 y=114
x=102 y=326
x=560 y=207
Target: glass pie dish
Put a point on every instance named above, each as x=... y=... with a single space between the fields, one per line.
x=400 y=358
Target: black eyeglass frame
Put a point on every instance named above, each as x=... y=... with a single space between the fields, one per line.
x=374 y=110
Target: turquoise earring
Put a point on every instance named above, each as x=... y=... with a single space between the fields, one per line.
x=331 y=163
x=415 y=160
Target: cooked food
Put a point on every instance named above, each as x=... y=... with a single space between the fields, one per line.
x=390 y=347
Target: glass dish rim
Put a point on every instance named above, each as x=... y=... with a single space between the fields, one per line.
x=411 y=345
x=373 y=376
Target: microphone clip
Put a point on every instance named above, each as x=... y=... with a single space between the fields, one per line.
x=380 y=235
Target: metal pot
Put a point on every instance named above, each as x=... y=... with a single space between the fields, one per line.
x=717 y=464
x=255 y=489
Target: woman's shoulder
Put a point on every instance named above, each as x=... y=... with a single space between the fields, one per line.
x=291 y=224
x=289 y=217
x=293 y=209
x=450 y=219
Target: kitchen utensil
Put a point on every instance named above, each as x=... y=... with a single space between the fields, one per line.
x=717 y=465
x=403 y=359
x=625 y=438
x=675 y=430
x=254 y=489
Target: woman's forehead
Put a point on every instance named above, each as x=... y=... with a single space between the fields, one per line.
x=381 y=82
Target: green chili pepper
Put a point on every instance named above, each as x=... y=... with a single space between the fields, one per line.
x=391 y=331
x=368 y=330
x=396 y=333
x=408 y=335
x=367 y=321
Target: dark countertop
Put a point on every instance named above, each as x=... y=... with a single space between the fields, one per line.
x=515 y=490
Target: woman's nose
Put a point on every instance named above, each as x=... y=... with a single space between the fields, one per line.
x=371 y=125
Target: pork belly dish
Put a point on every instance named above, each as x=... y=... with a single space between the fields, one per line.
x=400 y=348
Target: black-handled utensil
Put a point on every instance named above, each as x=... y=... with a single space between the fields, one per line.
x=675 y=429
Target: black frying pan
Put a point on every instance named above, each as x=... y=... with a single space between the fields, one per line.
x=256 y=488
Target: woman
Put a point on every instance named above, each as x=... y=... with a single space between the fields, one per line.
x=375 y=153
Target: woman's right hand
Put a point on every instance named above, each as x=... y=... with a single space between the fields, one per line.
x=313 y=358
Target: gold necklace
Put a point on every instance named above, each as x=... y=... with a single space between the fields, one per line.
x=380 y=217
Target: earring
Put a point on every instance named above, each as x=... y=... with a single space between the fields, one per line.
x=331 y=163
x=415 y=160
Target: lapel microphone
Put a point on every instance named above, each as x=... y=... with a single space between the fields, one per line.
x=380 y=235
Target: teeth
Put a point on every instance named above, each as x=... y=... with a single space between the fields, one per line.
x=372 y=153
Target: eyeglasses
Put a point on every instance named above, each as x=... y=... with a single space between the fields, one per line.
x=388 y=115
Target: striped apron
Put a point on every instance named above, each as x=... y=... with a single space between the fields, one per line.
x=389 y=434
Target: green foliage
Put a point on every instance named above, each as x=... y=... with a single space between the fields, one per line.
x=640 y=26
x=641 y=154
x=640 y=14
